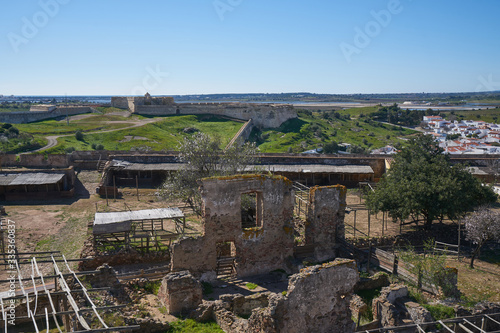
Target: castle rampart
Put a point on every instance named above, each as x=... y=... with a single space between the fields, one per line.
x=263 y=115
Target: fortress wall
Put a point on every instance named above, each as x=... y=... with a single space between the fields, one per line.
x=155 y=110
x=263 y=115
x=119 y=102
x=33 y=116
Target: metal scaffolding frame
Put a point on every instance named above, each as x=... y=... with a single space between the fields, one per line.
x=62 y=305
x=482 y=323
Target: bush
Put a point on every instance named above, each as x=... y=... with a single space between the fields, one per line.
x=439 y=311
x=99 y=147
x=69 y=149
x=13 y=130
x=79 y=135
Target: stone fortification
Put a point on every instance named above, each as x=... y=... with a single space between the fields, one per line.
x=263 y=115
x=32 y=116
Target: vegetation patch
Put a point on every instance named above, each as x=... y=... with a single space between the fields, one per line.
x=251 y=285
x=183 y=326
x=313 y=130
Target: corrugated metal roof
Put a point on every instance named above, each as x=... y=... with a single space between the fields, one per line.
x=305 y=168
x=114 y=222
x=30 y=178
x=138 y=215
x=317 y=168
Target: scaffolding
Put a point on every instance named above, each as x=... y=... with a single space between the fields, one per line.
x=62 y=310
x=482 y=323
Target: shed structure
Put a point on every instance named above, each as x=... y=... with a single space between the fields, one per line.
x=142 y=229
x=22 y=185
x=123 y=173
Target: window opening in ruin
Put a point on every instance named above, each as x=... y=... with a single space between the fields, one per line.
x=251 y=210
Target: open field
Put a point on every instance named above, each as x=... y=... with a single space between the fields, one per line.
x=160 y=133
x=488 y=115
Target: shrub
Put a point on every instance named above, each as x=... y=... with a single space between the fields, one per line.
x=79 y=135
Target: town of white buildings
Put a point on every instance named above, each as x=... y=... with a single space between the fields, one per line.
x=468 y=136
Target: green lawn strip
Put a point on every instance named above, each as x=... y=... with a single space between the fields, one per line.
x=55 y=127
x=163 y=135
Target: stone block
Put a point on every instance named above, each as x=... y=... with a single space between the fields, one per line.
x=180 y=292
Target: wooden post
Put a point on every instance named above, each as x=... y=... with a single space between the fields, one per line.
x=114 y=187
x=137 y=186
x=106 y=190
x=355 y=223
x=369 y=257
x=368 y=223
x=383 y=224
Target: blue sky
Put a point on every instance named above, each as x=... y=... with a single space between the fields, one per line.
x=112 y=47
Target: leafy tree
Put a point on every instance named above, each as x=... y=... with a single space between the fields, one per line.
x=482 y=226
x=331 y=147
x=422 y=182
x=204 y=157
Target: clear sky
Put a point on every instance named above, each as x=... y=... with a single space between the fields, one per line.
x=120 y=47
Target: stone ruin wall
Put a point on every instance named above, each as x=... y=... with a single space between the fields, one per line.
x=258 y=250
x=317 y=300
x=325 y=221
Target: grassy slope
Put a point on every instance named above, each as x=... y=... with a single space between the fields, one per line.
x=56 y=127
x=163 y=135
x=298 y=135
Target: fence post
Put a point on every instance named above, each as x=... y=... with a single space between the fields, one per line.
x=395 y=265
x=355 y=223
x=368 y=223
x=369 y=256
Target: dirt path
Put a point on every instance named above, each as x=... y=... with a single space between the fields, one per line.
x=52 y=139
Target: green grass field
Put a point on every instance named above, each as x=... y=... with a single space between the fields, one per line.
x=490 y=115
x=162 y=135
x=92 y=123
x=313 y=131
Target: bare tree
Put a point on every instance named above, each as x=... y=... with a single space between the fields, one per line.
x=204 y=157
x=482 y=226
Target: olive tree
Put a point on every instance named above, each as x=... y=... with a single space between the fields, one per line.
x=204 y=157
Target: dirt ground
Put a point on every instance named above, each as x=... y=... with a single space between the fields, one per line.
x=63 y=226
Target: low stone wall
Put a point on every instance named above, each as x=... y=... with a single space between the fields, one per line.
x=33 y=116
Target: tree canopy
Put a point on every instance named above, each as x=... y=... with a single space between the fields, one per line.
x=422 y=182
x=204 y=157
x=482 y=226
